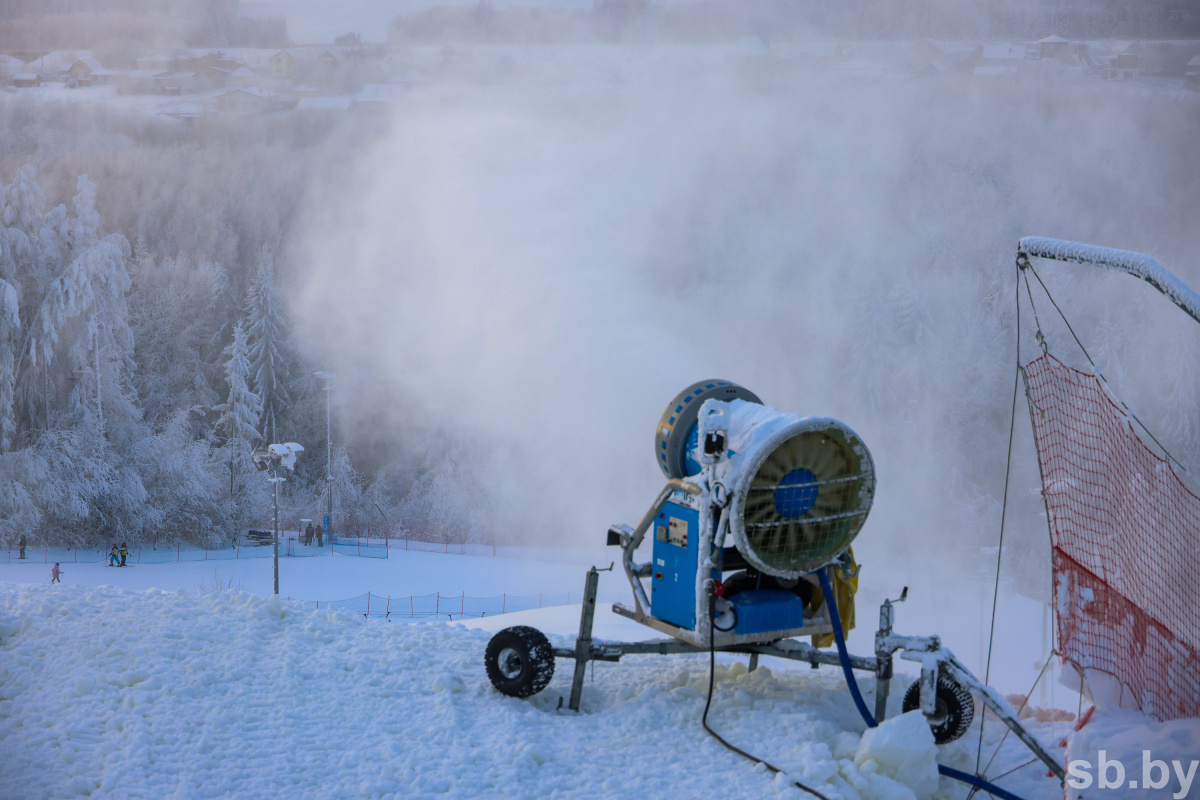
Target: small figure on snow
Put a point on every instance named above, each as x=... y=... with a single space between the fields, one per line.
x=55 y=572
x=308 y=534
x=320 y=542
x=21 y=544
x=124 y=552
x=114 y=556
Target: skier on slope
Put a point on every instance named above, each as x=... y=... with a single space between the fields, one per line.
x=21 y=544
x=124 y=552
x=114 y=556
x=55 y=572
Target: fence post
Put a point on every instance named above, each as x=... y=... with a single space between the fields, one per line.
x=412 y=612
x=539 y=599
x=463 y=608
x=177 y=547
x=387 y=610
x=503 y=602
x=368 y=614
x=437 y=604
x=139 y=554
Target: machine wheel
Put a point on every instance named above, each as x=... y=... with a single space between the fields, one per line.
x=955 y=709
x=519 y=661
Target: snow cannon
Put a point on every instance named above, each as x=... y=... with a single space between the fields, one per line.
x=749 y=546
x=757 y=500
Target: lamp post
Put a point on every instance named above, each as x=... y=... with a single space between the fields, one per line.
x=328 y=378
x=271 y=459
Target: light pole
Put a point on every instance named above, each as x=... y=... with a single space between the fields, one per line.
x=271 y=459
x=328 y=378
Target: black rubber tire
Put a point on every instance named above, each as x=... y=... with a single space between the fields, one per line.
x=955 y=709
x=519 y=661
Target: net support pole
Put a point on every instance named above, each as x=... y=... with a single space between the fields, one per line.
x=1136 y=264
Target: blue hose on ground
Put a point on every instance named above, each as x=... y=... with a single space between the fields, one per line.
x=844 y=657
x=977 y=782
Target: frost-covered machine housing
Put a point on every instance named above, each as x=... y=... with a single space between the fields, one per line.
x=757 y=500
x=749 y=546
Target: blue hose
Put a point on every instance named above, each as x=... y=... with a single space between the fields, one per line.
x=844 y=657
x=977 y=782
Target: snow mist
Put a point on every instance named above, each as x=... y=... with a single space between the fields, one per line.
x=521 y=275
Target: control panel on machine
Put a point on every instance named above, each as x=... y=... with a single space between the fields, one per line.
x=674 y=532
x=673 y=588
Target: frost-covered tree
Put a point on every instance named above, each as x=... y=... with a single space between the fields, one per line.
x=239 y=415
x=172 y=330
x=80 y=327
x=183 y=481
x=10 y=337
x=241 y=410
x=266 y=336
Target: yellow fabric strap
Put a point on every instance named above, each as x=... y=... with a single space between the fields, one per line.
x=844 y=588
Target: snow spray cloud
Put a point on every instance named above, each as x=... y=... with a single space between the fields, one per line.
x=535 y=267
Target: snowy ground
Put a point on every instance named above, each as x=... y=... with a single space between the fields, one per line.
x=336 y=577
x=174 y=691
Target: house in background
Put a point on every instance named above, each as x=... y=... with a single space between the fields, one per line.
x=86 y=70
x=991 y=60
x=283 y=65
x=250 y=101
x=243 y=77
x=1126 y=63
x=1052 y=47
x=26 y=80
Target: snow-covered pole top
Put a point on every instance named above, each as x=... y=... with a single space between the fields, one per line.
x=1136 y=264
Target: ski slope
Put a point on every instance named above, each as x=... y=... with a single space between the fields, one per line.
x=145 y=692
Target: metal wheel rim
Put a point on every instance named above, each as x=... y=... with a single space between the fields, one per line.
x=940 y=713
x=510 y=663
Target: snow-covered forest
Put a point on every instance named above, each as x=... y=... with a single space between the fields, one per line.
x=132 y=388
x=144 y=348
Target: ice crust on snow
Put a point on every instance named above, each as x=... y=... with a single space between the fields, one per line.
x=902 y=748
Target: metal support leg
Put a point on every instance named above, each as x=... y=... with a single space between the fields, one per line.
x=883 y=682
x=583 y=644
x=753 y=662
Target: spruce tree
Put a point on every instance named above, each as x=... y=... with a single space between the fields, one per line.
x=239 y=414
x=266 y=337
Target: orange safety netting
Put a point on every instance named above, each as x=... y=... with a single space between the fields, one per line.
x=1125 y=532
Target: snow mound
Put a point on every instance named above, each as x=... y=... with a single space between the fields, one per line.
x=902 y=748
